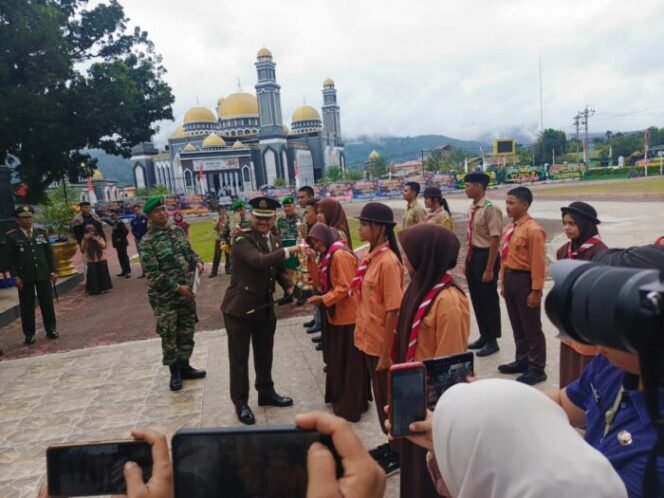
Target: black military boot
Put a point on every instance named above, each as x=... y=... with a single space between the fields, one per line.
x=176 y=377
x=189 y=372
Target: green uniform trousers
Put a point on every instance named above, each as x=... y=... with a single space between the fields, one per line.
x=175 y=325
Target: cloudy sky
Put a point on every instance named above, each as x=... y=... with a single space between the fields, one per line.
x=466 y=69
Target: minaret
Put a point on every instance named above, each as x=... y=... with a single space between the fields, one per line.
x=268 y=94
x=331 y=119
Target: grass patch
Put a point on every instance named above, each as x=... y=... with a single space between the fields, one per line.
x=632 y=186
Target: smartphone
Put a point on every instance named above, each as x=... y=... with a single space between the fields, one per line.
x=89 y=469
x=446 y=371
x=238 y=462
x=407 y=385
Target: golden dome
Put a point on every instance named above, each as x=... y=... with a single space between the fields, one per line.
x=305 y=113
x=213 y=140
x=238 y=145
x=264 y=52
x=189 y=148
x=97 y=175
x=328 y=82
x=179 y=132
x=199 y=115
x=374 y=155
x=239 y=104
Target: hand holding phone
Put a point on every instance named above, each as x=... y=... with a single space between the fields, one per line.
x=407 y=397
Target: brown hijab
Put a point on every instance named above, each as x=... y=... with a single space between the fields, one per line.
x=327 y=235
x=94 y=250
x=432 y=251
x=335 y=216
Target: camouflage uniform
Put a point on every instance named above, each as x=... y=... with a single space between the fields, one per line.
x=287 y=230
x=169 y=262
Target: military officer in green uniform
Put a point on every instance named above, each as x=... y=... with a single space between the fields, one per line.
x=287 y=231
x=258 y=262
x=33 y=268
x=170 y=263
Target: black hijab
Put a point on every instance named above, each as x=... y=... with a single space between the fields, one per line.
x=587 y=229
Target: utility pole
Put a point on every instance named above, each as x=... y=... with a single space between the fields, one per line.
x=646 y=137
x=585 y=114
x=422 y=162
x=577 y=122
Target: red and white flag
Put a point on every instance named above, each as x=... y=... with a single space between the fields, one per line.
x=200 y=172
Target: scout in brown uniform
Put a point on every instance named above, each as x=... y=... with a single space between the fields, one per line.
x=438 y=209
x=580 y=224
x=414 y=212
x=485 y=225
x=522 y=275
x=258 y=259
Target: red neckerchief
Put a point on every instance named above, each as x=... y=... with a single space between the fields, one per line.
x=417 y=319
x=592 y=241
x=507 y=236
x=325 y=264
x=356 y=283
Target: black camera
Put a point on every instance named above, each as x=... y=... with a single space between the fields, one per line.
x=621 y=308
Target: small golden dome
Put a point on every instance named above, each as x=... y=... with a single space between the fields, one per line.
x=199 y=115
x=239 y=104
x=238 y=145
x=373 y=155
x=305 y=113
x=189 y=148
x=328 y=82
x=264 y=52
x=179 y=133
x=97 y=175
x=213 y=140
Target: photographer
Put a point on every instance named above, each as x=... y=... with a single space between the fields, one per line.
x=608 y=400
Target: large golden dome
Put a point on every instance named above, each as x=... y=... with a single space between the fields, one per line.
x=264 y=52
x=328 y=82
x=305 y=113
x=239 y=104
x=199 y=115
x=374 y=155
x=179 y=132
x=213 y=140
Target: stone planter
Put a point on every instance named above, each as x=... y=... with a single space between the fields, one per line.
x=63 y=252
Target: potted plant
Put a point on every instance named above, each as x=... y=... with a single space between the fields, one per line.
x=56 y=216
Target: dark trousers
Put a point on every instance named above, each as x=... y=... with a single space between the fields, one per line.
x=484 y=295
x=260 y=334
x=217 y=258
x=123 y=258
x=526 y=322
x=380 y=394
x=26 y=299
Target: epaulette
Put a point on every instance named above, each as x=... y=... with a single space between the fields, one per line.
x=245 y=230
x=238 y=238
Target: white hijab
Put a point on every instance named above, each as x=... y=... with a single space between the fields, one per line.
x=498 y=438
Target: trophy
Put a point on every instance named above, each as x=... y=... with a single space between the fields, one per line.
x=304 y=287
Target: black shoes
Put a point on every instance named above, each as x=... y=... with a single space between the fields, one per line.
x=309 y=324
x=120 y=274
x=52 y=335
x=386 y=458
x=274 y=399
x=317 y=339
x=319 y=346
x=212 y=275
x=189 y=372
x=176 y=377
x=29 y=339
x=228 y=271
x=315 y=328
x=532 y=376
x=142 y=275
x=128 y=275
x=245 y=414
x=515 y=367
x=491 y=347
x=478 y=344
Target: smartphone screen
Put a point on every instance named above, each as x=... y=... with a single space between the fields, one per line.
x=269 y=461
x=444 y=372
x=94 y=469
x=407 y=402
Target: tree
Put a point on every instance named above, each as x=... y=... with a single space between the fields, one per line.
x=73 y=78
x=377 y=166
x=333 y=173
x=354 y=175
x=550 y=140
x=156 y=190
x=279 y=182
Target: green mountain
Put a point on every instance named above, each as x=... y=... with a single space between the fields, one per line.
x=115 y=168
x=400 y=149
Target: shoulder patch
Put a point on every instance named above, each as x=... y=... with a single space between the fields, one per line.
x=245 y=230
x=239 y=238
x=489 y=204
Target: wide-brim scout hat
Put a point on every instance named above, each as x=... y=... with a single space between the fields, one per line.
x=583 y=209
x=432 y=192
x=477 y=177
x=24 y=211
x=264 y=207
x=377 y=212
x=152 y=203
x=237 y=204
x=287 y=200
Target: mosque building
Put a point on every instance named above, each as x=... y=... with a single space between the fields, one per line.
x=245 y=144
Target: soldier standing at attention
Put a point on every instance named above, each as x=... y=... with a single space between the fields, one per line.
x=33 y=267
x=287 y=231
x=139 y=227
x=169 y=263
x=258 y=261
x=414 y=212
x=485 y=225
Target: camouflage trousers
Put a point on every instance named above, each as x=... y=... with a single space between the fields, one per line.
x=175 y=325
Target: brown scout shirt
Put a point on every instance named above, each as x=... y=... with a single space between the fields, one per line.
x=255 y=270
x=487 y=222
x=527 y=251
x=440 y=217
x=343 y=266
x=414 y=214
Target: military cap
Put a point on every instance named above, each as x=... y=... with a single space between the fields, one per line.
x=287 y=200
x=24 y=210
x=237 y=204
x=477 y=177
x=432 y=192
x=583 y=209
x=264 y=207
x=377 y=212
x=152 y=203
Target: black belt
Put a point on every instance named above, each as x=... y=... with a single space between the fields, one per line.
x=510 y=270
x=480 y=248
